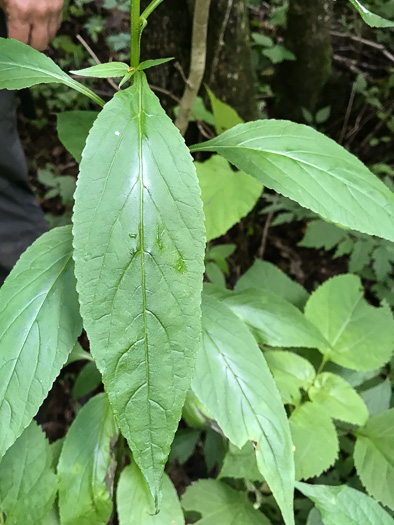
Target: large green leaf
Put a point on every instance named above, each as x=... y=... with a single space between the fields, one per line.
x=370 y=18
x=312 y=169
x=28 y=483
x=219 y=504
x=39 y=325
x=291 y=373
x=344 y=505
x=21 y=66
x=233 y=381
x=266 y=276
x=138 y=248
x=273 y=320
x=315 y=440
x=84 y=466
x=73 y=129
x=360 y=336
x=374 y=457
x=135 y=504
x=338 y=399
x=227 y=195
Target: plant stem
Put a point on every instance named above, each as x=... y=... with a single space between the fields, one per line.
x=151 y=7
x=135 y=32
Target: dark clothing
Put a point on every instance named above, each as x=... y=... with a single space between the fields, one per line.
x=21 y=218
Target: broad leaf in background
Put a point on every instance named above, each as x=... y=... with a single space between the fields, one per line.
x=374 y=457
x=273 y=320
x=73 y=129
x=378 y=398
x=360 y=336
x=225 y=116
x=338 y=399
x=241 y=463
x=227 y=195
x=109 y=70
x=264 y=275
x=370 y=18
x=184 y=444
x=84 y=465
x=135 y=504
x=88 y=379
x=315 y=440
x=322 y=234
x=28 y=482
x=219 y=504
x=291 y=373
x=39 y=326
x=138 y=248
x=342 y=505
x=314 y=517
x=21 y=66
x=233 y=381
x=304 y=165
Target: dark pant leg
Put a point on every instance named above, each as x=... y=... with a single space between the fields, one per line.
x=21 y=218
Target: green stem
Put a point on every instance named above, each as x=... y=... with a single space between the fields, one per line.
x=151 y=7
x=135 y=35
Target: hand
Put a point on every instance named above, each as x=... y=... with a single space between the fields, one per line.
x=33 y=22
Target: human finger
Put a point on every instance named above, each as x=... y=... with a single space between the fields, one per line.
x=19 y=29
x=39 y=37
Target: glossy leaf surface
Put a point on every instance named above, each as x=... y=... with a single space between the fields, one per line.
x=84 y=465
x=374 y=457
x=73 y=129
x=315 y=440
x=28 y=482
x=139 y=246
x=21 y=66
x=370 y=18
x=233 y=381
x=342 y=505
x=219 y=504
x=227 y=195
x=39 y=326
x=313 y=170
x=360 y=336
x=135 y=504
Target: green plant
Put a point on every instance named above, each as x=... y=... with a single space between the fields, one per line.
x=130 y=272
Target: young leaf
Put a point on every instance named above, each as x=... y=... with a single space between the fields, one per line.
x=73 y=129
x=315 y=440
x=291 y=373
x=360 y=336
x=135 y=504
x=344 y=505
x=219 y=504
x=338 y=399
x=28 y=483
x=84 y=464
x=233 y=381
x=312 y=169
x=110 y=70
x=373 y=457
x=241 y=463
x=370 y=18
x=139 y=247
x=39 y=325
x=225 y=116
x=152 y=63
x=227 y=195
x=21 y=66
x=266 y=276
x=273 y=320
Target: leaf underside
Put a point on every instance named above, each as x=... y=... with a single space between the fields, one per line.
x=139 y=245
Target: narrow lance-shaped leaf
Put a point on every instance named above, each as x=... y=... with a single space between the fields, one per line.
x=28 y=483
x=233 y=381
x=84 y=466
x=312 y=169
x=110 y=70
x=370 y=18
x=21 y=66
x=39 y=325
x=139 y=247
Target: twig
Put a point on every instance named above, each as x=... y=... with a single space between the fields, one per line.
x=165 y=92
x=369 y=43
x=96 y=59
x=348 y=112
x=263 y=244
x=197 y=63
